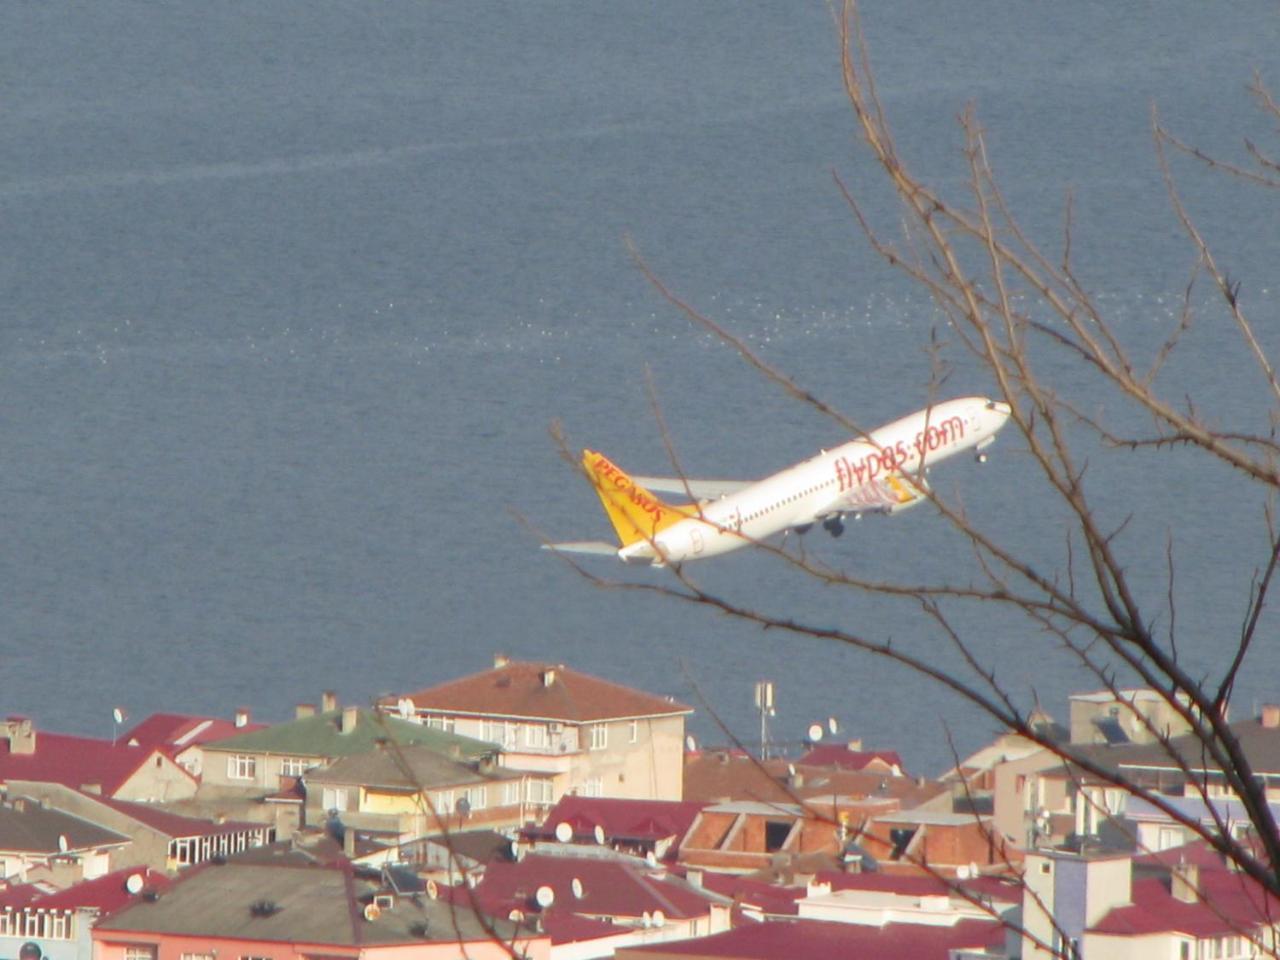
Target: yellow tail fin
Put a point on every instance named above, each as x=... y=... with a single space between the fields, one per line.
x=636 y=513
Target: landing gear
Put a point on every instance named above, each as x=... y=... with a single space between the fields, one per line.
x=834 y=525
x=981 y=457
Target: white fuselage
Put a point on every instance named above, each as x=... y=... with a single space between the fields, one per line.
x=863 y=475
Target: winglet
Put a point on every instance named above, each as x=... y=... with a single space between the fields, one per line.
x=636 y=514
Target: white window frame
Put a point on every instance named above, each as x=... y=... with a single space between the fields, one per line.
x=242 y=766
x=592 y=787
x=599 y=733
x=536 y=736
x=539 y=791
x=334 y=798
x=634 y=732
x=295 y=766
x=511 y=793
x=478 y=797
x=139 y=951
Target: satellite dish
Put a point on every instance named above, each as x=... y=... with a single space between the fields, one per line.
x=973 y=869
x=515 y=916
x=371 y=912
x=832 y=725
x=650 y=859
x=690 y=744
x=646 y=920
x=599 y=833
x=117 y=715
x=134 y=884
x=576 y=887
x=815 y=732
x=962 y=872
x=564 y=831
x=432 y=890
x=659 y=918
x=62 y=843
x=544 y=897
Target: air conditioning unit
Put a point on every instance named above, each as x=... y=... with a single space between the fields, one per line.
x=555 y=727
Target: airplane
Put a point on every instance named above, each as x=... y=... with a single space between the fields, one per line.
x=883 y=472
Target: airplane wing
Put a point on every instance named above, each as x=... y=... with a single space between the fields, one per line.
x=698 y=489
x=597 y=547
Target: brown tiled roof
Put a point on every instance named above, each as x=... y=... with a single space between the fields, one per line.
x=713 y=776
x=541 y=691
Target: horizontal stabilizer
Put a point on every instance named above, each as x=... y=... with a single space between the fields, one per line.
x=598 y=547
x=698 y=489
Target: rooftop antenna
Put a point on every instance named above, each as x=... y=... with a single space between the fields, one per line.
x=764 y=703
x=117 y=718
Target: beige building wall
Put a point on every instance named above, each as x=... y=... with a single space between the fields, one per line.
x=1137 y=711
x=158 y=780
x=640 y=759
x=1018 y=794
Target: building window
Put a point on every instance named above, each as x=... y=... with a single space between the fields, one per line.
x=436 y=722
x=592 y=788
x=139 y=951
x=294 y=766
x=335 y=798
x=443 y=802
x=535 y=735
x=477 y=797
x=539 y=791
x=634 y=732
x=198 y=956
x=242 y=766
x=511 y=793
x=599 y=737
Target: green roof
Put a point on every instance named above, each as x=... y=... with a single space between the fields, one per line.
x=322 y=736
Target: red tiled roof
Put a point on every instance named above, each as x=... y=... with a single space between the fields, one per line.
x=521 y=690
x=620 y=819
x=566 y=927
x=17 y=895
x=839 y=755
x=75 y=762
x=609 y=888
x=923 y=885
x=177 y=731
x=786 y=940
x=1231 y=903
x=174 y=824
x=105 y=894
x=763 y=896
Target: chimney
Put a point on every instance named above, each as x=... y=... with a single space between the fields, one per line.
x=548 y=676
x=328 y=701
x=21 y=735
x=1271 y=715
x=1184 y=882
x=242 y=717
x=350 y=716
x=500 y=660
x=304 y=710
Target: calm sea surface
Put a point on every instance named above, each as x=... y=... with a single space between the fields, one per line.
x=293 y=292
